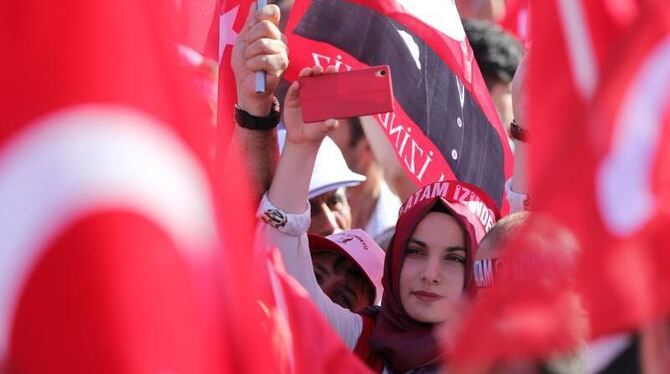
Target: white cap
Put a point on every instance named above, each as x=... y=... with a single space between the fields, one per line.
x=330 y=170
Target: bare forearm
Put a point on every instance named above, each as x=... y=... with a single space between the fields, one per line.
x=258 y=153
x=394 y=173
x=290 y=185
x=258 y=47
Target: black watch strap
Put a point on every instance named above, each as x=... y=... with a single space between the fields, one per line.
x=250 y=122
x=517 y=133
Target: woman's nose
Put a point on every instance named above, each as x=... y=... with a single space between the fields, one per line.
x=432 y=271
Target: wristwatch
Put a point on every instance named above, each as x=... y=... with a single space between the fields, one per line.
x=517 y=133
x=275 y=218
x=251 y=122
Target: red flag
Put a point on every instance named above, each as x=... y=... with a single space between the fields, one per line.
x=313 y=346
x=301 y=340
x=625 y=245
x=515 y=20
x=574 y=39
x=111 y=224
x=444 y=125
x=231 y=20
x=607 y=45
x=200 y=26
x=531 y=310
x=607 y=62
x=109 y=239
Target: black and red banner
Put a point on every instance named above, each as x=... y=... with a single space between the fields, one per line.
x=444 y=125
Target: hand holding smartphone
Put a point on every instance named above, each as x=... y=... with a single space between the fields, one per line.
x=346 y=94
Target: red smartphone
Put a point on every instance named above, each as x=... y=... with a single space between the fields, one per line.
x=346 y=94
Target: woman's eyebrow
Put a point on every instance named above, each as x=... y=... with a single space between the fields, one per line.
x=456 y=249
x=449 y=249
x=417 y=242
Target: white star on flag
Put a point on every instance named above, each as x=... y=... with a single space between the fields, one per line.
x=227 y=35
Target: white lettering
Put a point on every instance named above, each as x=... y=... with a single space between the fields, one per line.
x=426 y=193
x=385 y=120
x=317 y=59
x=394 y=130
x=414 y=147
x=489 y=223
x=456 y=191
x=440 y=189
x=404 y=143
x=429 y=158
x=464 y=195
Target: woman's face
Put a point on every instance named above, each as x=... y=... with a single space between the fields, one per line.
x=433 y=269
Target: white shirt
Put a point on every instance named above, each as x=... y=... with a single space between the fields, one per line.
x=291 y=240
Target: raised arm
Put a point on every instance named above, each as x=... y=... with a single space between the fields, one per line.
x=259 y=46
x=285 y=208
x=394 y=173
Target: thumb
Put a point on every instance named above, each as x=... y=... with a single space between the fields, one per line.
x=326 y=126
x=293 y=95
x=330 y=124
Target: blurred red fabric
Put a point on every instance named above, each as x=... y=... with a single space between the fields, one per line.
x=597 y=172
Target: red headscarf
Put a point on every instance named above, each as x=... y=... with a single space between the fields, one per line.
x=390 y=337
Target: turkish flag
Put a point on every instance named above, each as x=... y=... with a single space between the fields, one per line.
x=300 y=339
x=618 y=193
x=309 y=344
x=199 y=21
x=531 y=310
x=120 y=251
x=598 y=177
x=444 y=124
x=625 y=247
x=516 y=20
x=111 y=257
x=233 y=14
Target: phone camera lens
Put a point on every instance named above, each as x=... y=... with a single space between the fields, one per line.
x=382 y=73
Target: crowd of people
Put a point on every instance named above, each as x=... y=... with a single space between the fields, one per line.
x=388 y=274
x=405 y=274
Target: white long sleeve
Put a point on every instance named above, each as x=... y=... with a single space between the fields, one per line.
x=291 y=240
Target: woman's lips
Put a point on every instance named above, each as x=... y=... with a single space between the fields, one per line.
x=426 y=296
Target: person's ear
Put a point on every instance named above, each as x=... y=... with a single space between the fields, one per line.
x=364 y=150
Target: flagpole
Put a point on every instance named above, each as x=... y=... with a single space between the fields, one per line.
x=260 y=75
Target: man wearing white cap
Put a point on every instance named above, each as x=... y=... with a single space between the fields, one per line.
x=330 y=211
x=374 y=206
x=348 y=264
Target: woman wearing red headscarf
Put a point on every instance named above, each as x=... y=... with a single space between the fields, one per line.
x=428 y=267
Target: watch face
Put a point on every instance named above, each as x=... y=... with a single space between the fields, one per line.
x=275 y=217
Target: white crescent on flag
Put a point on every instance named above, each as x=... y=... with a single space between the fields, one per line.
x=88 y=159
x=624 y=177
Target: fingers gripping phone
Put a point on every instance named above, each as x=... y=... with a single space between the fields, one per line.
x=346 y=94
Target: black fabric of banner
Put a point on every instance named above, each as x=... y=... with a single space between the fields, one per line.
x=428 y=94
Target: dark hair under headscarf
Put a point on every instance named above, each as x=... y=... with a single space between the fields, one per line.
x=390 y=337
